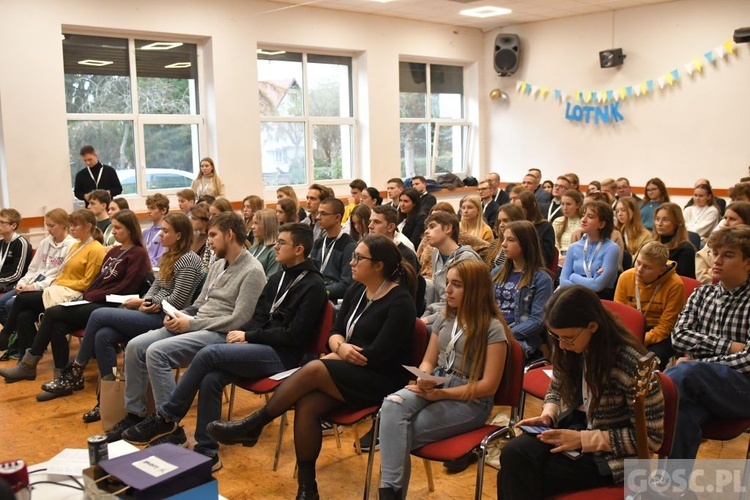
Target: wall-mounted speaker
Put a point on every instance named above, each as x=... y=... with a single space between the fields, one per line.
x=611 y=58
x=507 y=54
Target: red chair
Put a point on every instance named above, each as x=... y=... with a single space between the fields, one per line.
x=508 y=394
x=615 y=492
x=350 y=417
x=726 y=430
x=536 y=381
x=267 y=385
x=553 y=266
x=690 y=285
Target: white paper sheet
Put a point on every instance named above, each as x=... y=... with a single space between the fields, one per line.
x=120 y=299
x=170 y=310
x=284 y=374
x=426 y=376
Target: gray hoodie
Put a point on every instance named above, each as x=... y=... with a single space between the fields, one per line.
x=435 y=294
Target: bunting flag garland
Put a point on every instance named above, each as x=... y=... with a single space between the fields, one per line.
x=642 y=88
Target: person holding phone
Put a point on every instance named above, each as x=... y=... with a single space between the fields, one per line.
x=594 y=361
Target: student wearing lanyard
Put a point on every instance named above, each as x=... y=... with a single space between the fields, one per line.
x=553 y=209
x=588 y=405
x=265 y=228
x=95 y=176
x=122 y=272
x=370 y=340
x=158 y=206
x=469 y=345
x=565 y=226
x=593 y=261
x=284 y=324
x=654 y=288
x=334 y=249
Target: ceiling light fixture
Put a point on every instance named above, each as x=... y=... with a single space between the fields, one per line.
x=95 y=62
x=178 y=65
x=485 y=12
x=271 y=52
x=161 y=45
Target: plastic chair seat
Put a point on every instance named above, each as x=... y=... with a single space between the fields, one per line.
x=536 y=382
x=614 y=492
x=347 y=416
x=454 y=447
x=259 y=386
x=724 y=430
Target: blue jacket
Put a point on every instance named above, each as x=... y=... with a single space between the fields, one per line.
x=528 y=324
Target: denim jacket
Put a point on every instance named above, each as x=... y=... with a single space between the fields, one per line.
x=528 y=324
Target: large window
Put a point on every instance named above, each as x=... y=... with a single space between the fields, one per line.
x=307 y=123
x=434 y=133
x=136 y=101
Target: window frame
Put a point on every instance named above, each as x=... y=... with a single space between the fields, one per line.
x=141 y=120
x=435 y=124
x=309 y=121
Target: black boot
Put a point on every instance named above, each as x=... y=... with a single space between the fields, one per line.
x=308 y=491
x=245 y=432
x=389 y=494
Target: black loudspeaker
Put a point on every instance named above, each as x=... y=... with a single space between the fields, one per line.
x=611 y=58
x=507 y=54
x=742 y=35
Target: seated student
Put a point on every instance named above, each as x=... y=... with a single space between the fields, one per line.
x=158 y=206
x=15 y=250
x=471 y=218
x=656 y=194
x=593 y=351
x=114 y=206
x=489 y=206
x=206 y=198
x=425 y=250
x=316 y=194
x=371 y=197
x=355 y=189
x=412 y=217
x=470 y=346
x=220 y=205
x=122 y=272
x=526 y=200
x=286 y=211
x=712 y=378
x=250 y=205
x=334 y=249
x=522 y=286
x=284 y=324
x=44 y=267
x=266 y=229
x=592 y=261
x=552 y=210
x=426 y=200
x=180 y=272
x=670 y=230
x=383 y=221
x=393 y=189
x=654 y=288
x=702 y=216
x=185 y=200
x=721 y=203
x=442 y=234
x=199 y=218
x=370 y=340
x=495 y=256
x=737 y=213
x=568 y=222
x=79 y=268
x=740 y=192
x=629 y=224
x=99 y=201
x=226 y=303
x=358 y=222
x=288 y=192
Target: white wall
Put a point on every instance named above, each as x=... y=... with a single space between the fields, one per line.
x=697 y=129
x=32 y=108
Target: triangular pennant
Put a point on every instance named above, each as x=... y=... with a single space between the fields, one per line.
x=669 y=78
x=529 y=88
x=639 y=88
x=720 y=51
x=544 y=91
x=645 y=88
x=689 y=68
x=729 y=46
x=650 y=85
x=558 y=94
x=519 y=86
x=675 y=74
x=610 y=95
x=603 y=96
x=661 y=81
x=595 y=96
x=697 y=64
x=587 y=97
x=629 y=90
x=623 y=92
x=709 y=56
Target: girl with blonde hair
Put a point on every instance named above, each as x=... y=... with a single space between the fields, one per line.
x=208 y=182
x=472 y=221
x=266 y=231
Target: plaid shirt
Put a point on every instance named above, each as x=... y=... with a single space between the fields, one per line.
x=713 y=318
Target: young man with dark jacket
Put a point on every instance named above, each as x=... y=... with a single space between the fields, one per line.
x=285 y=323
x=15 y=250
x=334 y=249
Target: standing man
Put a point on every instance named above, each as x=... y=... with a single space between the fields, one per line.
x=554 y=210
x=315 y=195
x=95 y=176
x=334 y=249
x=426 y=200
x=499 y=196
x=394 y=188
x=713 y=378
x=226 y=302
x=490 y=209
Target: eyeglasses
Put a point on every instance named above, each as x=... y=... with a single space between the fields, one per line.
x=357 y=257
x=281 y=243
x=565 y=341
x=5 y=223
x=560 y=186
x=482 y=189
x=723 y=255
x=324 y=214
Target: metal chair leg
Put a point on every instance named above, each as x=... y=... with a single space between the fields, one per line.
x=371 y=455
x=276 y=457
x=480 y=473
x=231 y=402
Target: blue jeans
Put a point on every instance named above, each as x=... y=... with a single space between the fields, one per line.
x=408 y=421
x=6 y=304
x=214 y=367
x=707 y=391
x=152 y=356
x=106 y=328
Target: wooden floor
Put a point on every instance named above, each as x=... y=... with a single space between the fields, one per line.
x=37 y=431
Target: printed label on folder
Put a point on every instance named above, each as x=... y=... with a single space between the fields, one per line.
x=154 y=466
